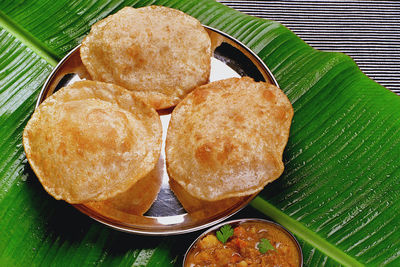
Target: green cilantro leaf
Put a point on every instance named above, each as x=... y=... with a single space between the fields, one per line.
x=224 y=233
x=264 y=245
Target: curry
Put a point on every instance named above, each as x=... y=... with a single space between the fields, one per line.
x=246 y=244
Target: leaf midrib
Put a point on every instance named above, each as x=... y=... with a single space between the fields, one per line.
x=27 y=39
x=304 y=233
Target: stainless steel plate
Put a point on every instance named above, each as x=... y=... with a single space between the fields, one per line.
x=166 y=215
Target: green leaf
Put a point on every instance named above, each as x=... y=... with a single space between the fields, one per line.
x=35 y=229
x=224 y=233
x=264 y=245
x=337 y=194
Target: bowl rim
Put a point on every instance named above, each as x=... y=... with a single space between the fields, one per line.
x=240 y=221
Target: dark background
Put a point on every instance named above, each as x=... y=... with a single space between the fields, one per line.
x=368 y=31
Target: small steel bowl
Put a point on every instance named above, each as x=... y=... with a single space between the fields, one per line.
x=238 y=222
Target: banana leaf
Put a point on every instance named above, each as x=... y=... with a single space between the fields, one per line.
x=339 y=192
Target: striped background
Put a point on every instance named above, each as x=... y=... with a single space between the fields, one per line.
x=368 y=31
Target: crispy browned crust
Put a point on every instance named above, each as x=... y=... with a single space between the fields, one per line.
x=135 y=201
x=226 y=138
x=158 y=52
x=200 y=208
x=92 y=140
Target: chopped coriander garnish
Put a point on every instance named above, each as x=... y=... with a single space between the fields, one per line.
x=264 y=245
x=224 y=233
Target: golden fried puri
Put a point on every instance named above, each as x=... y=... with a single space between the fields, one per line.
x=158 y=52
x=226 y=138
x=199 y=208
x=135 y=201
x=90 y=141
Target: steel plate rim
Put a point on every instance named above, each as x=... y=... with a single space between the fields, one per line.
x=140 y=231
x=165 y=232
x=68 y=55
